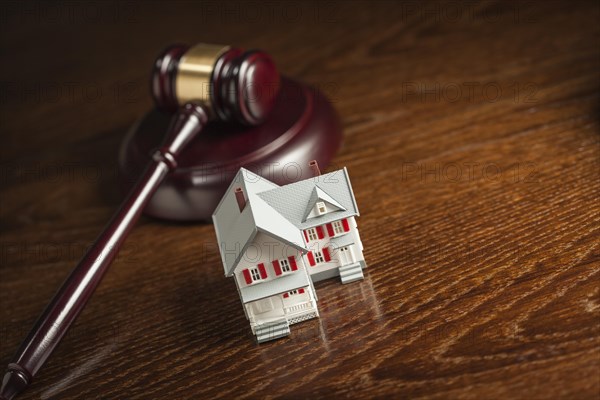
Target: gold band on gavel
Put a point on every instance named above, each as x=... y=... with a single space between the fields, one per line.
x=193 y=75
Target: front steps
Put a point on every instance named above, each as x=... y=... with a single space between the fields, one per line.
x=272 y=330
x=351 y=272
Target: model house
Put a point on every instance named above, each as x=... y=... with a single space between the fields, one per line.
x=277 y=240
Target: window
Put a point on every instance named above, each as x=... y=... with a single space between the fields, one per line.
x=293 y=292
x=285 y=265
x=319 y=257
x=312 y=234
x=321 y=209
x=252 y=275
x=255 y=274
x=338 y=227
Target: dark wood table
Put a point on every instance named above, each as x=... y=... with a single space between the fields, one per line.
x=473 y=143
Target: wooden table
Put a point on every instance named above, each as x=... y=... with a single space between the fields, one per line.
x=473 y=143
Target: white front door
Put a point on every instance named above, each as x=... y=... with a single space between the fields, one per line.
x=345 y=255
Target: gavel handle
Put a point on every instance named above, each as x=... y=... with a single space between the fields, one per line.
x=73 y=295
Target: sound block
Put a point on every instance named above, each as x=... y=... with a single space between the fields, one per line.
x=302 y=127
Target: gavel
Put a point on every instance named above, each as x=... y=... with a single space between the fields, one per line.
x=200 y=83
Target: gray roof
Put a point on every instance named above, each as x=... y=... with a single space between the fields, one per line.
x=279 y=211
x=291 y=200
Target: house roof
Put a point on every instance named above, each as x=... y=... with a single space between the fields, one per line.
x=236 y=230
x=291 y=201
x=278 y=211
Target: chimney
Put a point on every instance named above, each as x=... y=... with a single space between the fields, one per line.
x=241 y=200
x=314 y=166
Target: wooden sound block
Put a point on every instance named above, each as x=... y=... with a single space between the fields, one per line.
x=302 y=127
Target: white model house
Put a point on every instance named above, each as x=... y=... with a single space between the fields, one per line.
x=277 y=240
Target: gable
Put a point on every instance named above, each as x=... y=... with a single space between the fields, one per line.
x=264 y=248
x=319 y=196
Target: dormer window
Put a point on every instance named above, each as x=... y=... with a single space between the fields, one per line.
x=321 y=208
x=320 y=204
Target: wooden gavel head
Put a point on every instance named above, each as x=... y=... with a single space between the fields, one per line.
x=234 y=85
x=217 y=83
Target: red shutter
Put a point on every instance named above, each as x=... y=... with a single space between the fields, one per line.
x=300 y=290
x=263 y=270
x=345 y=224
x=326 y=254
x=330 y=230
x=306 y=236
x=286 y=295
x=277 y=267
x=293 y=264
x=247 y=276
x=320 y=233
x=311 y=259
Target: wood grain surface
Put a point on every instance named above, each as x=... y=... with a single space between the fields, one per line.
x=473 y=144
